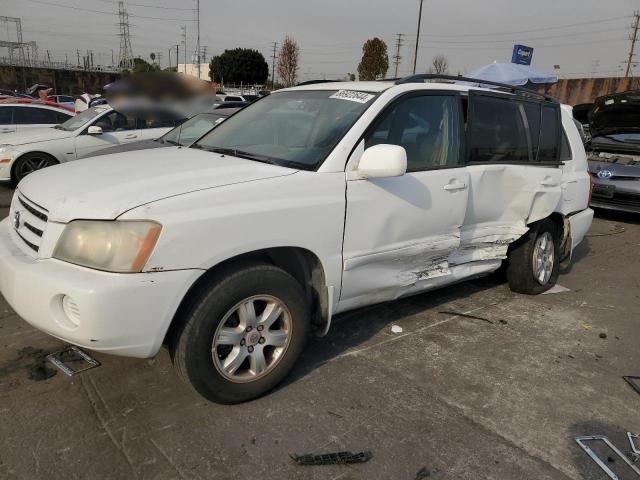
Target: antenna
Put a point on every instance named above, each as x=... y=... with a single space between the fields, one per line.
x=125 y=57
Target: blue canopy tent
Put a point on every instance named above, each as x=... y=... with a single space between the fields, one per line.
x=512 y=74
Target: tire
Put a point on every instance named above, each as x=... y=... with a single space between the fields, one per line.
x=222 y=311
x=29 y=163
x=522 y=275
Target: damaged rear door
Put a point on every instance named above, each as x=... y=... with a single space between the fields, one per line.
x=400 y=231
x=513 y=165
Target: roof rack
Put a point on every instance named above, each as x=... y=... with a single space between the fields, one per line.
x=510 y=88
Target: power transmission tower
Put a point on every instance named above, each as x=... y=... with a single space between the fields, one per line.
x=159 y=59
x=177 y=56
x=273 y=66
x=125 y=57
x=397 y=56
x=633 y=38
x=415 y=55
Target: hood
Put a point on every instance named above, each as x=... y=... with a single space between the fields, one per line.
x=105 y=187
x=32 y=135
x=615 y=114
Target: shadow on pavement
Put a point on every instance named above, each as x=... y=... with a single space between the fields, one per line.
x=355 y=328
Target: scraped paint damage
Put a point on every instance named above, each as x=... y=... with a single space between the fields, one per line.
x=502 y=200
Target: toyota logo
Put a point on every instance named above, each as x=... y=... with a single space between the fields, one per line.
x=16 y=220
x=604 y=174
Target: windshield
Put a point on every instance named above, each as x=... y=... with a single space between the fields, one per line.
x=296 y=128
x=82 y=119
x=191 y=130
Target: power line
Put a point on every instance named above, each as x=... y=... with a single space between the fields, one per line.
x=90 y=10
x=151 y=6
x=633 y=38
x=544 y=29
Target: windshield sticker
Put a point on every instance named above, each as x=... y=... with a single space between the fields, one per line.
x=352 y=96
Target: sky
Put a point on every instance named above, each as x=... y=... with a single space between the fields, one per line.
x=583 y=37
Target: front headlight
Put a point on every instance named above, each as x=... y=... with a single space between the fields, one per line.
x=113 y=246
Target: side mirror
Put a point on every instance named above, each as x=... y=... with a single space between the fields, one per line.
x=94 y=130
x=382 y=161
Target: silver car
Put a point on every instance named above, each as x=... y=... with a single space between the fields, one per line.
x=614 y=152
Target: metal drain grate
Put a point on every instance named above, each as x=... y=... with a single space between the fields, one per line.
x=72 y=361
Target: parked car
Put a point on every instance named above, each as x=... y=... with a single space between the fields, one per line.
x=614 y=152
x=21 y=117
x=181 y=136
x=234 y=98
x=22 y=153
x=66 y=100
x=34 y=101
x=313 y=201
x=226 y=105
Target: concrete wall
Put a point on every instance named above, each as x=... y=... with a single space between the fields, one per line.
x=73 y=82
x=575 y=91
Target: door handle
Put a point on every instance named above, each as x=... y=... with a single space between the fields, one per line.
x=454 y=186
x=548 y=182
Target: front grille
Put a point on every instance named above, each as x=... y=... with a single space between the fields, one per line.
x=621 y=198
x=31 y=220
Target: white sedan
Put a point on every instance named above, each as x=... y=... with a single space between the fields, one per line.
x=100 y=127
x=16 y=117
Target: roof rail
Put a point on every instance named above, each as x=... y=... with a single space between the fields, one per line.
x=315 y=82
x=510 y=88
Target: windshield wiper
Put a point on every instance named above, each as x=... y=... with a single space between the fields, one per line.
x=239 y=153
x=171 y=142
x=58 y=127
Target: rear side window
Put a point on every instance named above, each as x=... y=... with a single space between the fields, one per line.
x=6 y=115
x=62 y=117
x=506 y=130
x=497 y=131
x=31 y=116
x=549 y=135
x=159 y=119
x=565 y=149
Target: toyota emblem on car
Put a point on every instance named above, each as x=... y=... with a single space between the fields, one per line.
x=604 y=174
x=16 y=220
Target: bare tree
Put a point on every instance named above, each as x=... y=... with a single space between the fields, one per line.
x=439 y=65
x=288 y=61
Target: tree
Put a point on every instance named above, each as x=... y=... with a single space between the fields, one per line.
x=351 y=77
x=240 y=65
x=439 y=65
x=288 y=61
x=375 y=60
x=140 y=65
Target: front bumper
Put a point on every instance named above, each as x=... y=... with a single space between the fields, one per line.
x=121 y=314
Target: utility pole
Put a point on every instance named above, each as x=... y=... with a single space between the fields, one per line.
x=184 y=43
x=633 y=38
x=78 y=51
x=415 y=56
x=198 y=41
x=397 y=56
x=170 y=48
x=177 y=56
x=273 y=66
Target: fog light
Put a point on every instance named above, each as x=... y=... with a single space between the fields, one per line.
x=71 y=310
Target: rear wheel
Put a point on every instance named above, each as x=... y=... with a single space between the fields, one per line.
x=30 y=163
x=533 y=263
x=243 y=334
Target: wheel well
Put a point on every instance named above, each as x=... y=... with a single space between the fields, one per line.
x=301 y=264
x=13 y=166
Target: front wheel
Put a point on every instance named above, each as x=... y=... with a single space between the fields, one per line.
x=533 y=263
x=242 y=334
x=30 y=163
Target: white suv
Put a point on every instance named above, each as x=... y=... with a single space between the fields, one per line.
x=310 y=202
